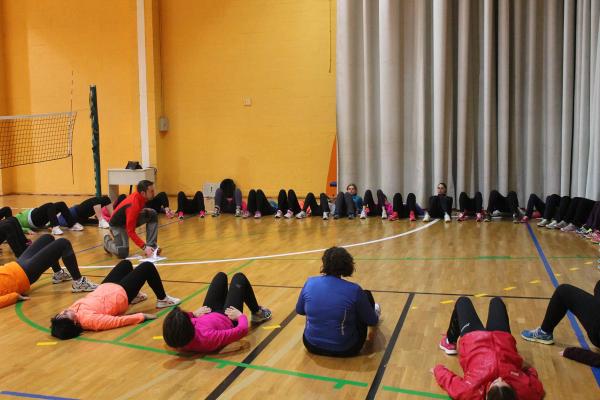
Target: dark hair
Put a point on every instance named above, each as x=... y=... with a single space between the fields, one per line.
x=352 y=184
x=337 y=262
x=228 y=187
x=443 y=183
x=178 y=329
x=64 y=328
x=501 y=393
x=142 y=186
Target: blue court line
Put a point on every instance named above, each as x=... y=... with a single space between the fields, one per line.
x=34 y=396
x=572 y=320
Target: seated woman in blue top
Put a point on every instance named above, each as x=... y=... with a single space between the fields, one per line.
x=337 y=311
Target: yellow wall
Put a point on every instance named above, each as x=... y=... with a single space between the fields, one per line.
x=215 y=53
x=44 y=41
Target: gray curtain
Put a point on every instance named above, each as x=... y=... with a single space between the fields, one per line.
x=492 y=94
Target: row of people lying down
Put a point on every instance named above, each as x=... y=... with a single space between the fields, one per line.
x=338 y=313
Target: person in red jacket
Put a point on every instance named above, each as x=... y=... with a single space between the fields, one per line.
x=493 y=369
x=128 y=215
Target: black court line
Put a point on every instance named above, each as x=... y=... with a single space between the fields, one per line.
x=229 y=379
x=388 y=350
x=372 y=290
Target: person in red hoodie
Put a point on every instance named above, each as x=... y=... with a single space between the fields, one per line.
x=128 y=215
x=493 y=369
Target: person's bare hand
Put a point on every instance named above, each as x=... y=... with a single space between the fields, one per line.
x=148 y=317
x=201 y=311
x=233 y=313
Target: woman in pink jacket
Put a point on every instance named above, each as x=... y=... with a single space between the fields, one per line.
x=104 y=308
x=219 y=321
x=492 y=367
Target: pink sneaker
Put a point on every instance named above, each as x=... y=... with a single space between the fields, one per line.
x=479 y=217
x=245 y=214
x=449 y=348
x=462 y=217
x=169 y=213
x=536 y=215
x=524 y=219
x=202 y=214
x=411 y=216
x=393 y=217
x=595 y=237
x=180 y=214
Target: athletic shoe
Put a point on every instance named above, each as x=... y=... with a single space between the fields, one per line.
x=384 y=213
x=524 y=219
x=217 y=211
x=180 y=214
x=350 y=216
x=378 y=312
x=393 y=217
x=552 y=225
x=325 y=215
x=569 y=228
x=363 y=214
x=141 y=296
x=278 y=214
x=77 y=227
x=264 y=314
x=289 y=214
x=449 y=348
x=426 y=218
x=562 y=224
x=168 y=301
x=56 y=230
x=543 y=223
x=169 y=213
x=447 y=217
x=245 y=214
x=336 y=216
x=462 y=217
x=411 y=216
x=301 y=215
x=103 y=224
x=536 y=215
x=537 y=335
x=515 y=219
x=238 y=212
x=202 y=213
x=257 y=215
x=479 y=217
x=496 y=213
x=584 y=231
x=61 y=276
x=595 y=237
x=83 y=285
x=487 y=218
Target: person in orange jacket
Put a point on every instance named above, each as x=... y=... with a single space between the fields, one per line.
x=104 y=309
x=493 y=368
x=16 y=277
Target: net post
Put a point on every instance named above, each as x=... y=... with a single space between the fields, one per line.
x=95 y=138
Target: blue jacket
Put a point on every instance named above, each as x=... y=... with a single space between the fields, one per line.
x=334 y=308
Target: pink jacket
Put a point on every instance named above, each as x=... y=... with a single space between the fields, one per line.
x=102 y=309
x=215 y=331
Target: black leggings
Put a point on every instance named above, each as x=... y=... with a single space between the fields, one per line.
x=497 y=202
x=439 y=205
x=45 y=252
x=85 y=210
x=352 y=350
x=288 y=201
x=48 y=212
x=12 y=232
x=470 y=205
x=344 y=205
x=374 y=209
x=404 y=210
x=316 y=209
x=464 y=318
x=579 y=210
x=549 y=209
x=257 y=201
x=192 y=206
x=584 y=306
x=159 y=202
x=219 y=298
x=593 y=220
x=132 y=279
x=5 y=212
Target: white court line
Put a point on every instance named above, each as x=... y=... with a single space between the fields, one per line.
x=296 y=253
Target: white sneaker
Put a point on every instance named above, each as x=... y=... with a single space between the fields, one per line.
x=77 y=227
x=168 y=301
x=363 y=214
x=552 y=225
x=61 y=276
x=325 y=215
x=543 y=223
x=301 y=215
x=378 y=312
x=238 y=212
x=569 y=228
x=141 y=296
x=384 y=214
x=83 y=285
x=57 y=231
x=426 y=218
x=289 y=214
x=278 y=214
x=447 y=218
x=496 y=214
x=103 y=224
x=562 y=224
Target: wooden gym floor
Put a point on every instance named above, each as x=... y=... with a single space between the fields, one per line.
x=415 y=270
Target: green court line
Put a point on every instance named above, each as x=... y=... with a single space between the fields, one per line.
x=415 y=393
x=185 y=300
